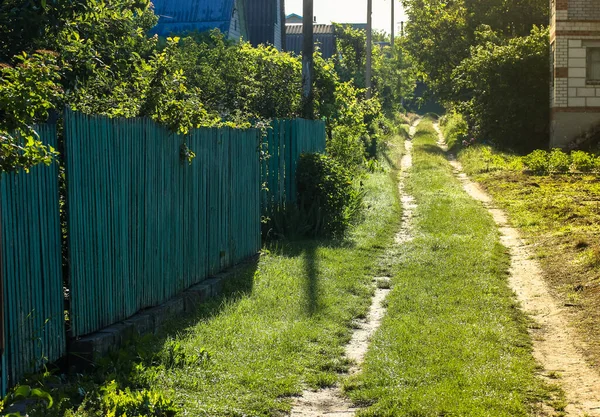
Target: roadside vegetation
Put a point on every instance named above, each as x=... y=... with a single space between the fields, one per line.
x=283 y=323
x=454 y=341
x=552 y=197
x=488 y=61
x=279 y=327
x=96 y=57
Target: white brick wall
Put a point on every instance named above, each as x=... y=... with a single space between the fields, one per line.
x=584 y=9
x=571 y=52
x=561 y=95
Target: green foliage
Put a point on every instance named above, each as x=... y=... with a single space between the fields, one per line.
x=106 y=64
x=558 y=161
x=392 y=75
x=488 y=61
x=541 y=162
x=483 y=158
x=135 y=403
x=440 y=33
x=326 y=192
x=348 y=126
x=27 y=92
x=537 y=161
x=480 y=159
x=455 y=129
x=437 y=36
x=351 y=57
x=582 y=161
x=506 y=84
x=26 y=392
x=238 y=80
x=174 y=355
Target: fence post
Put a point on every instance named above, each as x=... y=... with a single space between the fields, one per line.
x=2 y=343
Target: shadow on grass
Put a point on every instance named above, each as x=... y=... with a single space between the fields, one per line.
x=311 y=285
x=308 y=250
x=432 y=149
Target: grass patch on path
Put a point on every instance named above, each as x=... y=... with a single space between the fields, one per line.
x=454 y=342
x=279 y=328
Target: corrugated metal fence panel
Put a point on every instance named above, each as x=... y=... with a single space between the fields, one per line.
x=285 y=142
x=145 y=224
x=31 y=268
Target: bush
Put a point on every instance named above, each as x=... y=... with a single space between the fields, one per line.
x=558 y=161
x=455 y=129
x=537 y=161
x=326 y=195
x=582 y=161
x=506 y=83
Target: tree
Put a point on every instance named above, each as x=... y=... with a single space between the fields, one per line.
x=508 y=89
x=441 y=32
x=27 y=92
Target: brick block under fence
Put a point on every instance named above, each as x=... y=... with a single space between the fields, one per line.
x=85 y=350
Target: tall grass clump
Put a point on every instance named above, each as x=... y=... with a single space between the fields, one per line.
x=455 y=129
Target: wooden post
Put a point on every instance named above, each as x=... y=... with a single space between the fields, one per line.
x=307 y=61
x=369 y=48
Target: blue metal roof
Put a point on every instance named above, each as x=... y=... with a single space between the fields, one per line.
x=181 y=16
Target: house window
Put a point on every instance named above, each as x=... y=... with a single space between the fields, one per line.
x=593 y=65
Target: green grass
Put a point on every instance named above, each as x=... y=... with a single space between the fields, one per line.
x=454 y=342
x=559 y=215
x=279 y=328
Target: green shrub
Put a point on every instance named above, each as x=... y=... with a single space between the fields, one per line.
x=582 y=161
x=558 y=161
x=404 y=131
x=117 y=403
x=505 y=83
x=455 y=129
x=326 y=195
x=537 y=161
x=597 y=164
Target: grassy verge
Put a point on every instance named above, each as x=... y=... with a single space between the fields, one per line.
x=280 y=327
x=560 y=216
x=453 y=341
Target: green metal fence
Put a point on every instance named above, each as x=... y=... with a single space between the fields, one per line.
x=144 y=224
x=32 y=325
x=285 y=142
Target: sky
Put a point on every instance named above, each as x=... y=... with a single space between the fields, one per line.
x=352 y=11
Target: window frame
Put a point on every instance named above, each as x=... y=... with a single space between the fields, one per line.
x=591 y=64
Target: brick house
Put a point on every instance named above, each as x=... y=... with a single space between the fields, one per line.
x=575 y=56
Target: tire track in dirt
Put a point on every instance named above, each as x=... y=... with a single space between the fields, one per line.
x=331 y=402
x=555 y=345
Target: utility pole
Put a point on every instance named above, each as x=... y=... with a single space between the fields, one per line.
x=369 y=47
x=308 y=61
x=283 y=26
x=393 y=28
